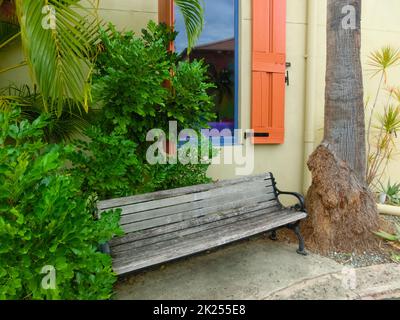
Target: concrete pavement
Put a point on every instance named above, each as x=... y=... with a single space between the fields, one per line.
x=250 y=269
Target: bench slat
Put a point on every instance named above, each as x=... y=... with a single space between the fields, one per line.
x=199 y=242
x=161 y=221
x=256 y=194
x=196 y=225
x=197 y=220
x=244 y=189
x=120 y=202
x=147 y=251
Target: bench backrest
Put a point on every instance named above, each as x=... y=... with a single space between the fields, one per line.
x=183 y=208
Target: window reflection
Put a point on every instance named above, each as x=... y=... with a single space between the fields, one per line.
x=216 y=46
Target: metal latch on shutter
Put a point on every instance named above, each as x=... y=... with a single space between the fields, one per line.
x=256 y=135
x=287 y=79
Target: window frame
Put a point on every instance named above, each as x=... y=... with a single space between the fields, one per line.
x=166 y=17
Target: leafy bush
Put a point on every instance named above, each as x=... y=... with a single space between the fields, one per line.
x=45 y=220
x=141 y=86
x=106 y=164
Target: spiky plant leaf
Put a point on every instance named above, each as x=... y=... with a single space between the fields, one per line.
x=386 y=236
x=383 y=59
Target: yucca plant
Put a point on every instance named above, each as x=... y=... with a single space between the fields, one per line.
x=383 y=142
x=392 y=191
x=382 y=128
x=60 y=39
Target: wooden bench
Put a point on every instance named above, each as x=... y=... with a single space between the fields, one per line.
x=167 y=225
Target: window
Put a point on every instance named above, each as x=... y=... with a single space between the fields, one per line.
x=217 y=45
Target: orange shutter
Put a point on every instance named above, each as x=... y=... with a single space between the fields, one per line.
x=166 y=15
x=268 y=71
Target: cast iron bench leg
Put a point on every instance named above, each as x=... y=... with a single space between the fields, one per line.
x=296 y=229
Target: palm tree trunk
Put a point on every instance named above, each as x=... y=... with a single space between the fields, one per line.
x=343 y=212
x=344 y=96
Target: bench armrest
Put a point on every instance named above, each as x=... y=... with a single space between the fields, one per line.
x=301 y=206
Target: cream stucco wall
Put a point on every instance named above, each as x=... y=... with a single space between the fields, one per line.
x=381 y=26
x=129 y=14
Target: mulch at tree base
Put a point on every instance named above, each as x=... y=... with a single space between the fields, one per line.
x=378 y=256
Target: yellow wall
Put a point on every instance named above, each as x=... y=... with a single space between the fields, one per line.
x=129 y=14
x=381 y=26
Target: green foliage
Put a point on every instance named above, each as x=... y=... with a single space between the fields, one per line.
x=383 y=127
x=45 y=220
x=141 y=86
x=59 y=44
x=392 y=192
x=59 y=128
x=193 y=16
x=107 y=164
x=392 y=238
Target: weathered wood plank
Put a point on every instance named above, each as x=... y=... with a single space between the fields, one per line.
x=245 y=188
x=197 y=220
x=200 y=242
x=116 y=203
x=257 y=194
x=200 y=224
x=156 y=222
x=182 y=242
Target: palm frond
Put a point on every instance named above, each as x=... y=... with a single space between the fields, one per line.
x=71 y=123
x=193 y=16
x=60 y=55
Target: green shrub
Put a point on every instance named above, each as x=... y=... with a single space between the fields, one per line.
x=141 y=86
x=106 y=164
x=131 y=79
x=45 y=220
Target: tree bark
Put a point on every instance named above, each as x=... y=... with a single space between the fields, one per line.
x=344 y=95
x=343 y=212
